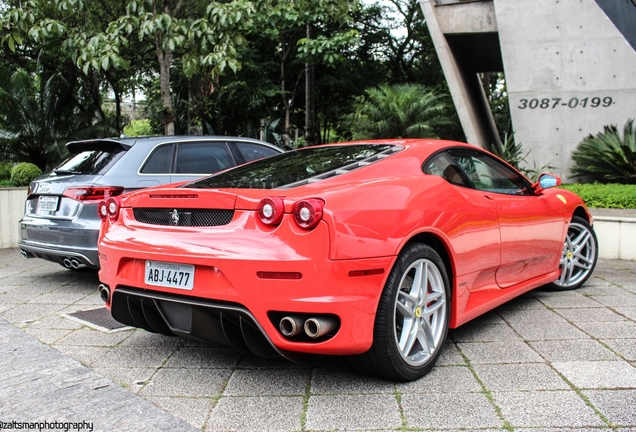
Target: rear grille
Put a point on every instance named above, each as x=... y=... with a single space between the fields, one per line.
x=183 y=217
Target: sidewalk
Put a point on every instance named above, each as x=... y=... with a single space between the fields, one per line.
x=545 y=361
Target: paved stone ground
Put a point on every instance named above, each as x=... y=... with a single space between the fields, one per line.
x=545 y=361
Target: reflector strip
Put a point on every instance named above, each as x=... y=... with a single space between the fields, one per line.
x=174 y=196
x=279 y=275
x=370 y=272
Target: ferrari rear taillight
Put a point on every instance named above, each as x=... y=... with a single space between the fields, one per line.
x=92 y=193
x=109 y=209
x=271 y=210
x=308 y=213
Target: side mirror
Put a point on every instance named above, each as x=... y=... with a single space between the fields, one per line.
x=546 y=181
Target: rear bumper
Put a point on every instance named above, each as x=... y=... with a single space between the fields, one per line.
x=87 y=257
x=57 y=240
x=228 y=294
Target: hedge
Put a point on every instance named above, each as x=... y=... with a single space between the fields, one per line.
x=599 y=195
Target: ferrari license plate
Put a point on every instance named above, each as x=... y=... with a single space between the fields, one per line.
x=47 y=204
x=170 y=275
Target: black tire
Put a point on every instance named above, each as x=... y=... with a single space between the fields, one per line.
x=580 y=254
x=400 y=355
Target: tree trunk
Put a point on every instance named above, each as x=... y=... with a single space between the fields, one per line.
x=310 y=105
x=283 y=93
x=117 y=110
x=165 y=61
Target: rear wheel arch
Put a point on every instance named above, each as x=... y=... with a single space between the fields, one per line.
x=440 y=246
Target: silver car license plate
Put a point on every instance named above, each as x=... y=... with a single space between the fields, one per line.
x=169 y=275
x=47 y=204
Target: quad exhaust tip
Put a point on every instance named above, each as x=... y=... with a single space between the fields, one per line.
x=72 y=263
x=291 y=326
x=104 y=292
x=314 y=327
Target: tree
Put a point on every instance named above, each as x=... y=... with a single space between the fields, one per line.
x=47 y=37
x=35 y=117
x=289 y=23
x=204 y=35
x=400 y=111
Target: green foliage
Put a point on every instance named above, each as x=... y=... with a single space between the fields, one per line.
x=399 y=111
x=23 y=173
x=138 y=128
x=619 y=196
x=5 y=170
x=607 y=157
x=35 y=117
x=512 y=153
x=115 y=47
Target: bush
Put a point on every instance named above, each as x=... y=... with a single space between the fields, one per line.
x=607 y=157
x=5 y=170
x=605 y=195
x=138 y=128
x=23 y=173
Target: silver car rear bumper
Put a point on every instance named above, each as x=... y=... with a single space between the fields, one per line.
x=62 y=241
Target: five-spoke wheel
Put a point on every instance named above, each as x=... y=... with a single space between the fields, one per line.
x=420 y=312
x=580 y=253
x=411 y=323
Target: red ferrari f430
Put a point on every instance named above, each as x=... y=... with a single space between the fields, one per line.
x=367 y=249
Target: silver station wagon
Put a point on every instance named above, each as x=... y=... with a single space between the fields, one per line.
x=61 y=223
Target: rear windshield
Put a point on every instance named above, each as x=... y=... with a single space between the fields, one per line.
x=293 y=168
x=89 y=161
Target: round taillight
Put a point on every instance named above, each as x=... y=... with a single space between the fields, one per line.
x=102 y=210
x=307 y=213
x=271 y=210
x=112 y=208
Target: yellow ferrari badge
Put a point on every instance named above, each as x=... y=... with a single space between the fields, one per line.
x=562 y=198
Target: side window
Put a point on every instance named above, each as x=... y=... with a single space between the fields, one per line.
x=160 y=161
x=489 y=174
x=203 y=158
x=252 y=151
x=444 y=166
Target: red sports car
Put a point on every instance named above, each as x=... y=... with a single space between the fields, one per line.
x=368 y=249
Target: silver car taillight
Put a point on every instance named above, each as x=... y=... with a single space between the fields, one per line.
x=92 y=193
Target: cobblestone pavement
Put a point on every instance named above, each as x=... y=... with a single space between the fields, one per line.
x=545 y=361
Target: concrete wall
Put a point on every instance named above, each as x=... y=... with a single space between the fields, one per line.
x=11 y=211
x=561 y=58
x=569 y=70
x=616 y=237
x=459 y=68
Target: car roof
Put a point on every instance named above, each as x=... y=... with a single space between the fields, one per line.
x=127 y=142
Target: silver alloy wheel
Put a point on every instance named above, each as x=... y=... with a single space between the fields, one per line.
x=420 y=312
x=579 y=256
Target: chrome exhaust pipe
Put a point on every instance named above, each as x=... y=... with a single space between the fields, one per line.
x=67 y=263
x=75 y=264
x=316 y=327
x=290 y=326
x=104 y=292
x=24 y=253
